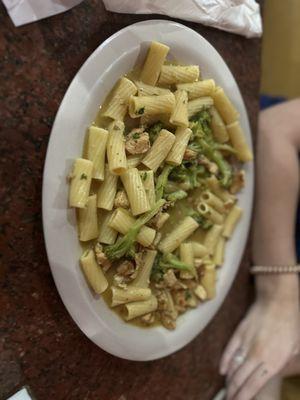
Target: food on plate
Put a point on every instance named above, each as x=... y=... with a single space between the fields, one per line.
x=155 y=190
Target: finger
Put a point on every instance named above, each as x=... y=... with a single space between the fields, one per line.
x=240 y=377
x=254 y=383
x=236 y=362
x=233 y=345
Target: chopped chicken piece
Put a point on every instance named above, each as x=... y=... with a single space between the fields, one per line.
x=148 y=319
x=169 y=278
x=120 y=281
x=137 y=142
x=200 y=292
x=189 y=154
x=191 y=299
x=211 y=166
x=198 y=262
x=162 y=300
x=167 y=321
x=121 y=199
x=159 y=220
x=101 y=258
x=186 y=275
x=238 y=182
x=126 y=268
x=179 y=300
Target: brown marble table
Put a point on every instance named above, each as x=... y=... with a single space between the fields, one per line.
x=40 y=344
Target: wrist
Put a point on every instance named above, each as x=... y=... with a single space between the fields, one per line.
x=278 y=287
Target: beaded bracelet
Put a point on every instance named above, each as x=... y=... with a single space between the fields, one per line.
x=275 y=269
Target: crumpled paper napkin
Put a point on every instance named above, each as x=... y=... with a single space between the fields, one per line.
x=25 y=11
x=237 y=16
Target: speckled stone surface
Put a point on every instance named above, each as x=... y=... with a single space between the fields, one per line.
x=40 y=344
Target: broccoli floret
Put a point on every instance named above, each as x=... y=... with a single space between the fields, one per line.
x=178 y=195
x=125 y=246
x=225 y=168
x=154 y=130
x=189 y=173
x=164 y=262
x=200 y=125
x=162 y=181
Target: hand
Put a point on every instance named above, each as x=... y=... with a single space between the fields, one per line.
x=267 y=339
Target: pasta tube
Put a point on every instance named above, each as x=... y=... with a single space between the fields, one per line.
x=195 y=106
x=133 y=160
x=187 y=257
x=226 y=109
x=179 y=116
x=93 y=272
x=238 y=140
x=198 y=89
x=214 y=186
x=212 y=237
x=87 y=220
x=128 y=295
x=213 y=201
x=107 y=234
x=148 y=90
x=116 y=154
x=182 y=231
x=155 y=58
x=117 y=107
x=182 y=137
x=139 y=308
x=135 y=191
x=210 y=213
x=121 y=221
x=151 y=105
x=80 y=183
x=218 y=127
x=171 y=74
x=231 y=221
x=143 y=276
x=199 y=250
x=208 y=281
x=218 y=257
x=96 y=147
x=107 y=190
x=159 y=150
x=148 y=183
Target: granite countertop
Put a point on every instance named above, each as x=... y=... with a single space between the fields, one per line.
x=40 y=344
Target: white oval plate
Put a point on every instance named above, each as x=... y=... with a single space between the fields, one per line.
x=116 y=56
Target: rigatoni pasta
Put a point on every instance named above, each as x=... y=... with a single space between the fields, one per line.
x=151 y=105
x=116 y=155
x=96 y=148
x=198 y=89
x=88 y=220
x=107 y=190
x=80 y=182
x=179 y=116
x=136 y=192
x=155 y=191
x=159 y=150
x=171 y=74
x=182 y=137
x=154 y=61
x=117 y=106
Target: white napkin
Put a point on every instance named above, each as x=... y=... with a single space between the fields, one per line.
x=25 y=11
x=237 y=16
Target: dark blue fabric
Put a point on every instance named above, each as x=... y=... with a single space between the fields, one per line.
x=269 y=101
